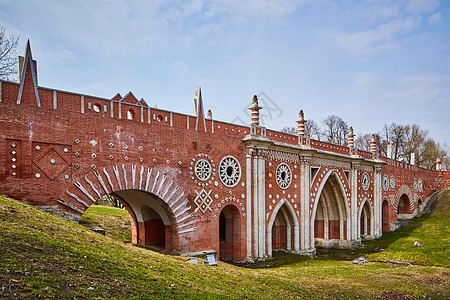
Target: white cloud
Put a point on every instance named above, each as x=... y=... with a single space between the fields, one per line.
x=366 y=79
x=418 y=88
x=435 y=19
x=421 y=6
x=381 y=39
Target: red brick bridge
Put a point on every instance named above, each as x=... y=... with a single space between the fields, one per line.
x=192 y=183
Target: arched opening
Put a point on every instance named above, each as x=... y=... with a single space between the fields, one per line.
x=155 y=231
x=403 y=205
x=330 y=219
x=151 y=219
x=130 y=114
x=283 y=230
x=229 y=234
x=365 y=221
x=386 y=227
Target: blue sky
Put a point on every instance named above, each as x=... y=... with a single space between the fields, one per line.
x=369 y=62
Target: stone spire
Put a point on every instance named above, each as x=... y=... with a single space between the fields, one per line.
x=255 y=111
x=438 y=164
x=301 y=124
x=350 y=137
x=200 y=124
x=28 y=78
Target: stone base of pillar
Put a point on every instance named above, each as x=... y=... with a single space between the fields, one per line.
x=307 y=252
x=407 y=216
x=368 y=237
x=338 y=244
x=395 y=226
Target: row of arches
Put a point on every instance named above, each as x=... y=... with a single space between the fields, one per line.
x=154 y=224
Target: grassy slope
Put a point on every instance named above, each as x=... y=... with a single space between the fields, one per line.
x=45 y=256
x=115 y=220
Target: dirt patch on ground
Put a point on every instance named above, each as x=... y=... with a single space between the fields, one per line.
x=431 y=281
x=390 y=295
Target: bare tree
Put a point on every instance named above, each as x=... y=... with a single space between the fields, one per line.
x=289 y=130
x=8 y=55
x=393 y=134
x=336 y=130
x=362 y=142
x=433 y=151
x=313 y=130
x=415 y=139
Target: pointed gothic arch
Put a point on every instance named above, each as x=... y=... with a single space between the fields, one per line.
x=365 y=220
x=330 y=219
x=287 y=230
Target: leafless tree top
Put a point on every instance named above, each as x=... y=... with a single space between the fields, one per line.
x=8 y=54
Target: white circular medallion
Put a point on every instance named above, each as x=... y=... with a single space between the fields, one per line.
x=365 y=181
x=385 y=182
x=203 y=169
x=283 y=176
x=392 y=182
x=229 y=171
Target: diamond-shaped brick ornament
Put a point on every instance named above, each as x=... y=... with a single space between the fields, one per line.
x=203 y=200
x=51 y=162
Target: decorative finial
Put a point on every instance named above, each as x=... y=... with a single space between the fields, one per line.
x=350 y=137
x=255 y=110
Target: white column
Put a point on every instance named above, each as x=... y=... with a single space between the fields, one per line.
x=305 y=241
x=354 y=201
x=262 y=204
x=255 y=207
x=377 y=201
x=248 y=169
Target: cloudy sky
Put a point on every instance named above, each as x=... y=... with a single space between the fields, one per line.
x=369 y=62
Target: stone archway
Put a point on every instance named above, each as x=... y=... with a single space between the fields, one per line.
x=365 y=220
x=283 y=231
x=159 y=210
x=403 y=207
x=330 y=214
x=386 y=227
x=230 y=234
x=154 y=220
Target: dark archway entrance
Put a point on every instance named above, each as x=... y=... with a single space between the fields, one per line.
x=229 y=234
x=365 y=219
x=386 y=227
x=151 y=219
x=403 y=205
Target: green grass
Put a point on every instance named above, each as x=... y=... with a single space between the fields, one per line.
x=116 y=221
x=43 y=256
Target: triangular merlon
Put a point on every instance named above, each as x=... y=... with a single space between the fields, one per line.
x=143 y=103
x=129 y=96
x=198 y=110
x=24 y=63
x=117 y=97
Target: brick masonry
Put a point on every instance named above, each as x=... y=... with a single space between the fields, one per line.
x=177 y=173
